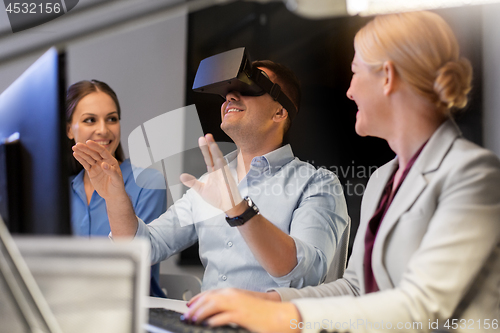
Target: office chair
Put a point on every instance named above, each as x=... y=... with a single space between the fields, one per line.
x=339 y=261
x=181 y=287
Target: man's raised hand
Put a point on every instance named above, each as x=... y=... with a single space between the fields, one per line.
x=219 y=188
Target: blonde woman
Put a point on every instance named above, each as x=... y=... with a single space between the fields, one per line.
x=426 y=252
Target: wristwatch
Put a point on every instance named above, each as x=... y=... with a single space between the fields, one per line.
x=251 y=211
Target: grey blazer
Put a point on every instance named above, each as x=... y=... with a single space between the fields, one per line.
x=430 y=251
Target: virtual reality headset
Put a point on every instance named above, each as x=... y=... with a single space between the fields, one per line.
x=233 y=71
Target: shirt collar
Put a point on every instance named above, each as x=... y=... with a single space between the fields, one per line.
x=78 y=179
x=275 y=159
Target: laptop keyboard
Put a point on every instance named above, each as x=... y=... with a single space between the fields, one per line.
x=170 y=321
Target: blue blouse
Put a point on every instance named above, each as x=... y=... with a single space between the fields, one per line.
x=92 y=220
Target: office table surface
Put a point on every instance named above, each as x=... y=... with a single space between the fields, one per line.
x=167 y=303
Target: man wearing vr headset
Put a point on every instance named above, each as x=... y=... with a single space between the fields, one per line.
x=285 y=230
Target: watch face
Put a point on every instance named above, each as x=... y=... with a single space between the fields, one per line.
x=251 y=204
x=249 y=201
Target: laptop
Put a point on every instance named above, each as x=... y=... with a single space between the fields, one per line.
x=91 y=285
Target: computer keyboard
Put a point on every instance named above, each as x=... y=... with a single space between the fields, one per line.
x=169 y=320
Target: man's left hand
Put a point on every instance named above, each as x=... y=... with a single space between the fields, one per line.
x=220 y=190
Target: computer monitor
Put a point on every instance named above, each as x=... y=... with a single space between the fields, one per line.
x=33 y=165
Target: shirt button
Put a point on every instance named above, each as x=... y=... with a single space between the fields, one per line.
x=230 y=244
x=224 y=278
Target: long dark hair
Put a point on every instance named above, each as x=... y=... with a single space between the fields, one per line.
x=74 y=95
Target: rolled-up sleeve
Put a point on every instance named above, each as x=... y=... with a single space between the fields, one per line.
x=317 y=225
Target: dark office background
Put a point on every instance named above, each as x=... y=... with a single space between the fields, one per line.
x=320 y=53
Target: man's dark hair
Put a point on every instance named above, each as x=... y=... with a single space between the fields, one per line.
x=287 y=80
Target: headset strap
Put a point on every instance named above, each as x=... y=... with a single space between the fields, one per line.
x=274 y=90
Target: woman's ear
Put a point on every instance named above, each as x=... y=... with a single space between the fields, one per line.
x=69 y=132
x=390 y=77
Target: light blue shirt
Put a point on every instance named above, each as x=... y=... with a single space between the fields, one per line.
x=306 y=203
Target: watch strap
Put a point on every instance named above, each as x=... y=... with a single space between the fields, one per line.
x=250 y=212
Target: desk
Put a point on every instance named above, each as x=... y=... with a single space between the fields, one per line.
x=167 y=303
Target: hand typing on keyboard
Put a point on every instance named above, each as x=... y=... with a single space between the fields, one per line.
x=162 y=320
x=226 y=306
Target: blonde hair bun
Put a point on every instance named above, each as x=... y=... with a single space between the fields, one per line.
x=453 y=83
x=425 y=53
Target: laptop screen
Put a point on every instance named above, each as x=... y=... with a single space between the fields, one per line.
x=90 y=285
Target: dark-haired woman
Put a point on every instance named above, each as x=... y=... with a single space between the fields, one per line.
x=93 y=113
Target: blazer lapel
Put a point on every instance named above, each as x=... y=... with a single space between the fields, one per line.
x=371 y=199
x=429 y=160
